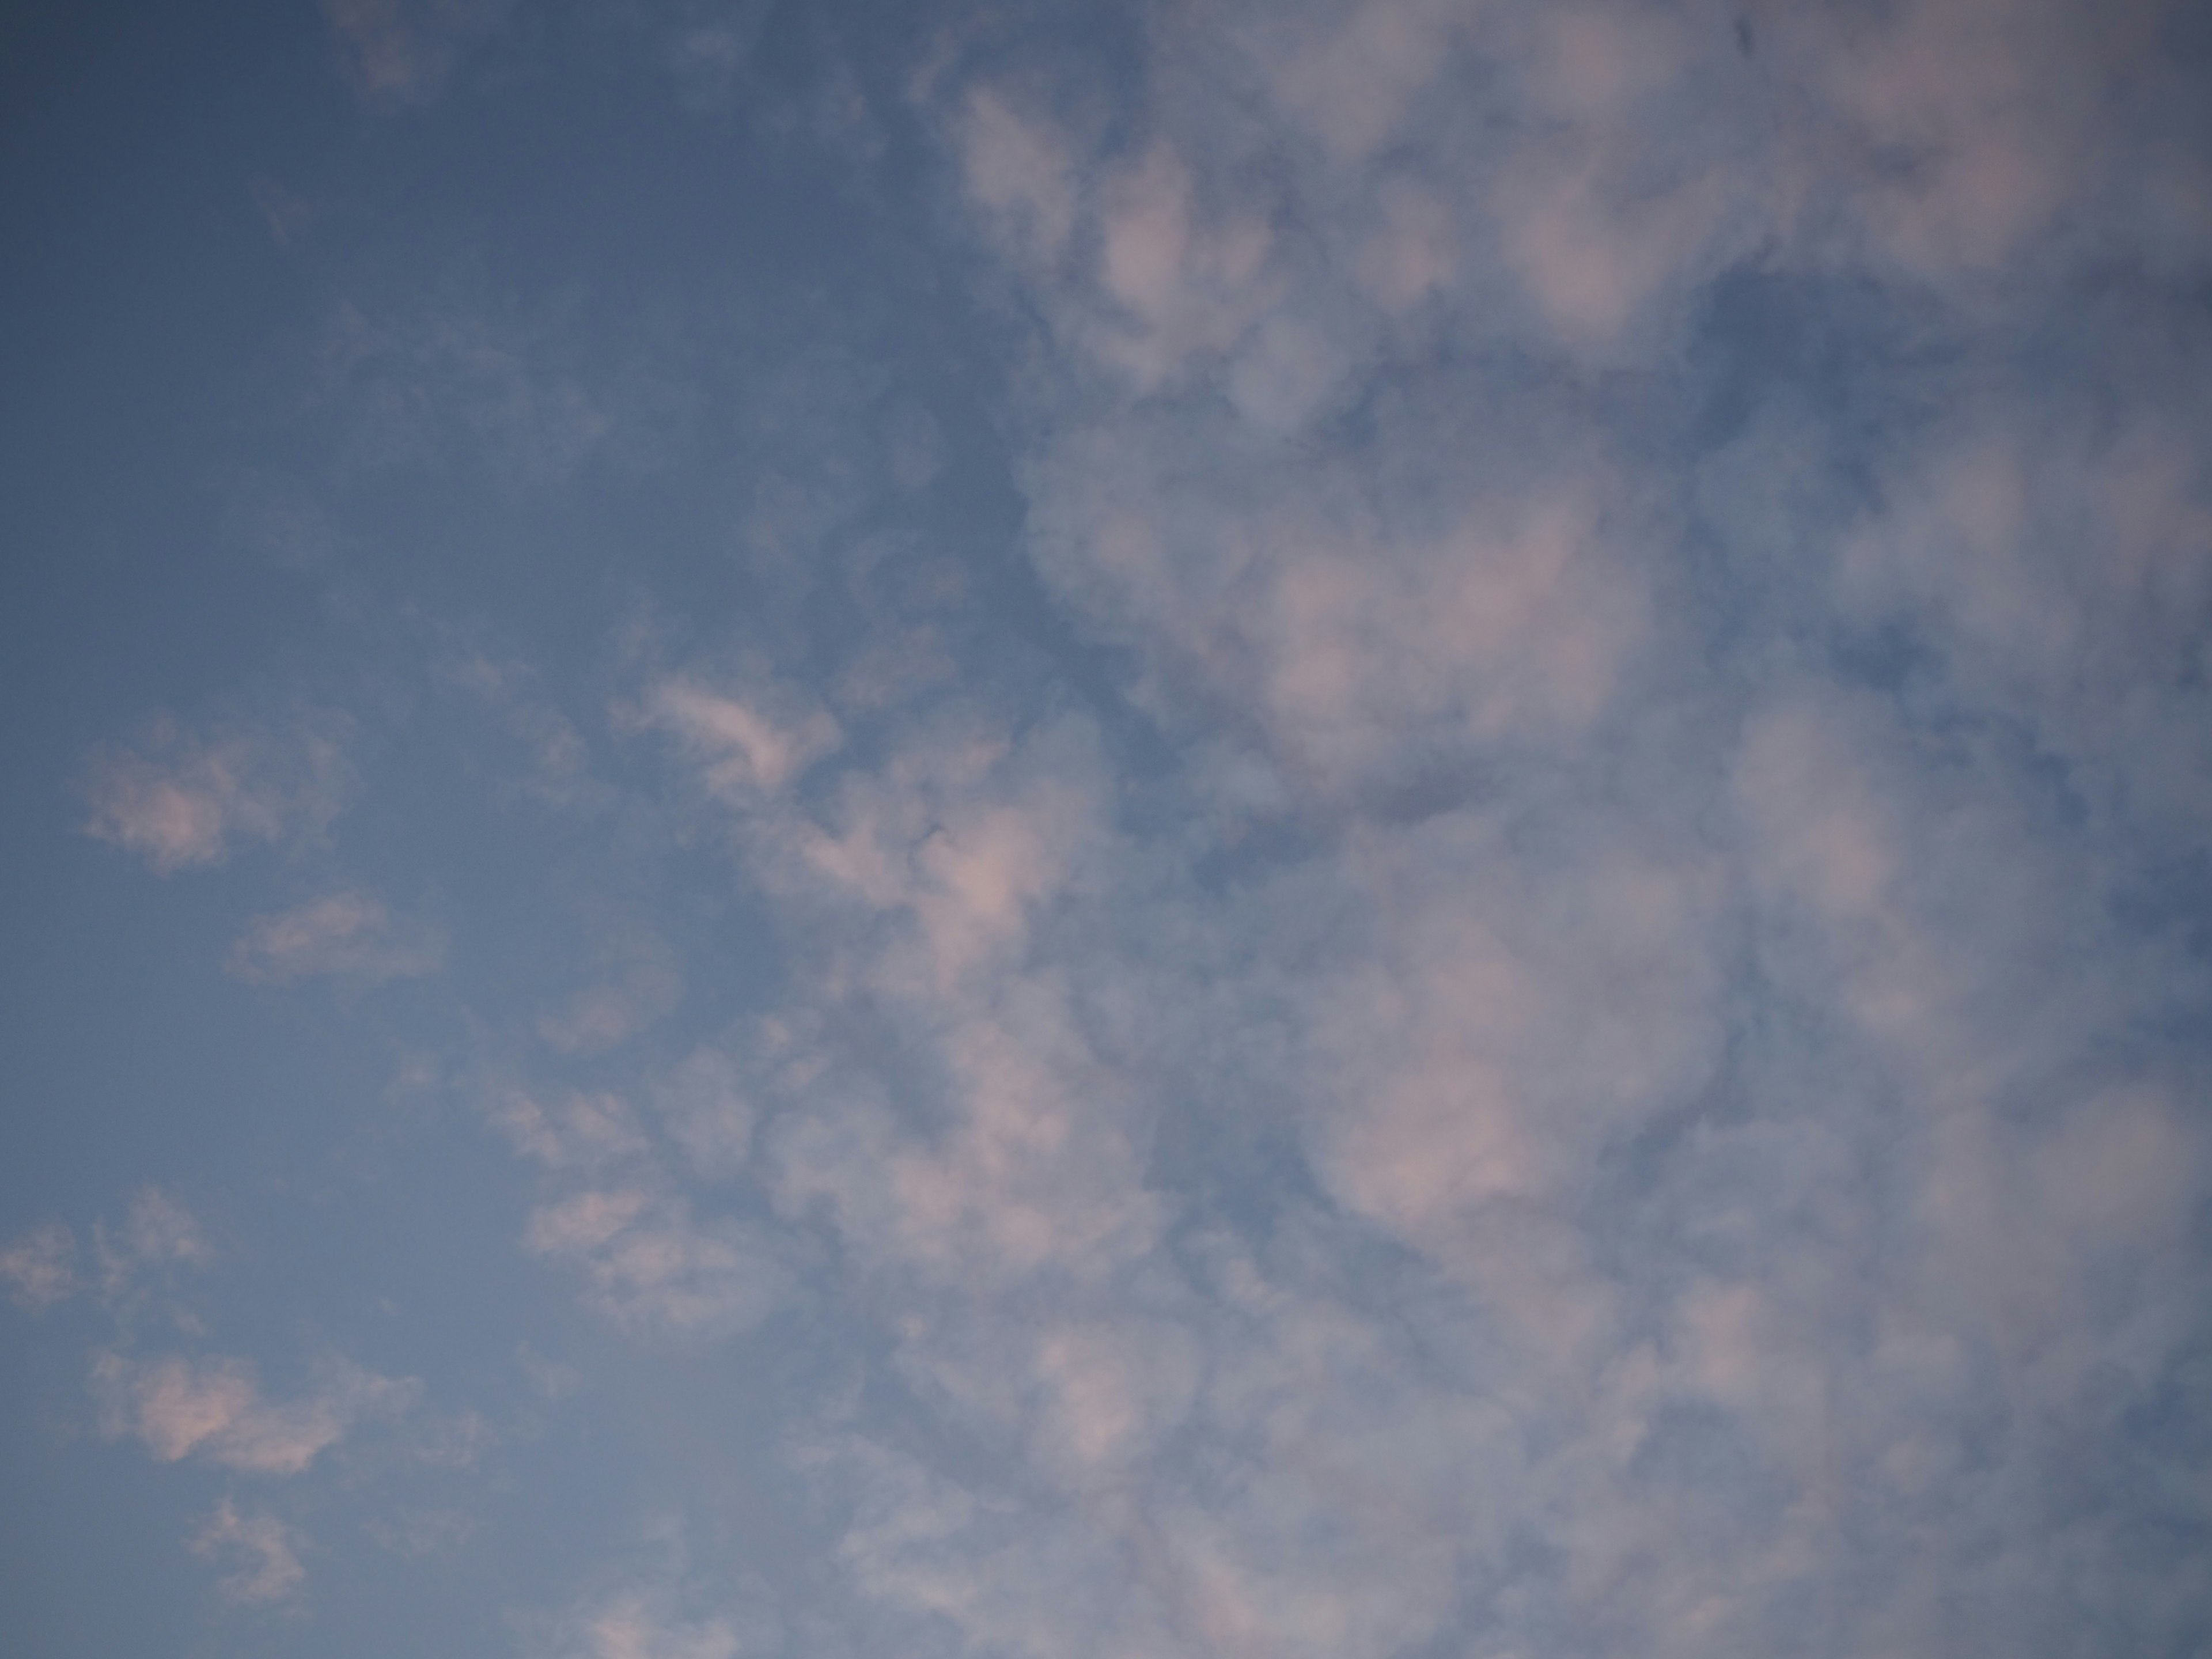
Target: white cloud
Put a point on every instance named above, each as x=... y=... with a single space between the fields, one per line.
x=581 y=1132
x=263 y=1550
x=184 y=799
x=746 y=750
x=630 y=1628
x=661 y=1603
x=40 y=1267
x=159 y=1235
x=212 y=1409
x=1704 y=994
x=348 y=936
x=652 y=1269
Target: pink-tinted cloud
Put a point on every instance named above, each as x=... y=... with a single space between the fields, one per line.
x=213 y=1410
x=183 y=799
x=347 y=936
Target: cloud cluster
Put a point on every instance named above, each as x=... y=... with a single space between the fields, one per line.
x=623 y=1208
x=158 y=1236
x=1639 y=1107
x=1588 y=1040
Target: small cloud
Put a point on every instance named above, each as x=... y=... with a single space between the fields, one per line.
x=286 y=214
x=706 y=61
x=182 y=799
x=630 y=1627
x=40 y=1267
x=583 y=1132
x=212 y=1409
x=158 y=1235
x=402 y=52
x=554 y=1378
x=661 y=1606
x=650 y=1268
x=262 y=1549
x=346 y=936
x=645 y=984
x=747 y=750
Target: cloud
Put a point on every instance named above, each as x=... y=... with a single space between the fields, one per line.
x=182 y=798
x=661 y=1603
x=213 y=1410
x=651 y=1268
x=349 y=936
x=40 y=1267
x=265 y=1550
x=650 y=1265
x=1634 y=1071
x=1565 y=1015
x=398 y=52
x=645 y=985
x=744 y=750
x=628 y=1627
x=158 y=1234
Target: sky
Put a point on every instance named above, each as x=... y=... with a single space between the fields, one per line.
x=1324 y=830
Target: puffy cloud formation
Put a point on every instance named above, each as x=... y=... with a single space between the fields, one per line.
x=1651 y=1108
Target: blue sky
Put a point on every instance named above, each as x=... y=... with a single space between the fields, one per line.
x=1338 y=830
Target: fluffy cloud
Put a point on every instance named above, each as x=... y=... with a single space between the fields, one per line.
x=183 y=799
x=1680 y=834
x=212 y=1409
x=663 y=1601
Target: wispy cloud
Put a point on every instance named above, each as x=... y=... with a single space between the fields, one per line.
x=40 y=1267
x=398 y=52
x=212 y=1409
x=182 y=798
x=262 y=1551
x=158 y=1235
x=346 y=936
